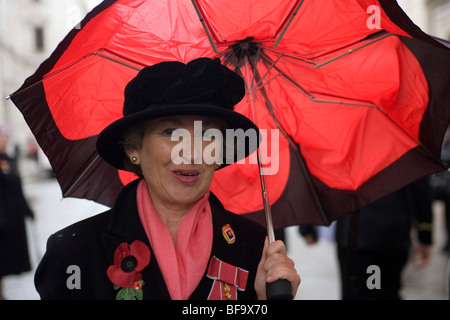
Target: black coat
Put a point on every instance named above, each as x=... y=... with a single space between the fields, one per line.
x=386 y=223
x=90 y=245
x=14 y=257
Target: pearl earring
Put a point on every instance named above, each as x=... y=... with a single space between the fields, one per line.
x=134 y=159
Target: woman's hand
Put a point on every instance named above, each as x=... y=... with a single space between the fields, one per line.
x=275 y=265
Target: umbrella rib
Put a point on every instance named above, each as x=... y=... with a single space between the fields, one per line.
x=291 y=17
x=288 y=54
x=311 y=96
x=125 y=62
x=268 y=69
x=350 y=51
x=354 y=104
x=96 y=53
x=269 y=61
x=253 y=63
x=269 y=105
x=204 y=25
x=314 y=65
x=81 y=176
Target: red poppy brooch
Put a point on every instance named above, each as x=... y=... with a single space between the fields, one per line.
x=125 y=273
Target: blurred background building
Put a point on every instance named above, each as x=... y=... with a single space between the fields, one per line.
x=29 y=31
x=432 y=16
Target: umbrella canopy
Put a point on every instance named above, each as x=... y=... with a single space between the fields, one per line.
x=352 y=98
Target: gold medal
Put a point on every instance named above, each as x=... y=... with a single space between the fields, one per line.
x=227 y=289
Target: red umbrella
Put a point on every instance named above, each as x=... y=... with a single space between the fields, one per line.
x=358 y=96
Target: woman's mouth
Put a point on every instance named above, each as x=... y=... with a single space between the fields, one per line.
x=186 y=176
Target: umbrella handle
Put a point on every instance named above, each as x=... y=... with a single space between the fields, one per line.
x=279 y=290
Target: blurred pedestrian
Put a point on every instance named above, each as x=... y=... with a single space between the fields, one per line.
x=440 y=187
x=377 y=239
x=13 y=210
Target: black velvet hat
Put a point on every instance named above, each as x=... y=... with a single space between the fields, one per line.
x=202 y=87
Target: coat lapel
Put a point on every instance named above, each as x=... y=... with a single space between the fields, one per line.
x=125 y=226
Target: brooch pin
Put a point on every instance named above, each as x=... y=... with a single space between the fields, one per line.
x=228 y=234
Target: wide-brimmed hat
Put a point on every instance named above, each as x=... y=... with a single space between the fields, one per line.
x=202 y=87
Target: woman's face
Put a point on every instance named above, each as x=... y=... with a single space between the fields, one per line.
x=169 y=183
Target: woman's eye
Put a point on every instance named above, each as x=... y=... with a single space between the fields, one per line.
x=208 y=134
x=168 y=132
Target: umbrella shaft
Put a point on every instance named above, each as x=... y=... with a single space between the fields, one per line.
x=268 y=214
x=266 y=202
x=265 y=195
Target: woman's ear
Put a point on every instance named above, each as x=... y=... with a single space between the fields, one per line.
x=133 y=155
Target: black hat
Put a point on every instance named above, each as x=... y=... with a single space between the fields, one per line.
x=202 y=87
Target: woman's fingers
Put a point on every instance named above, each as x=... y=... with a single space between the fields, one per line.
x=279 y=266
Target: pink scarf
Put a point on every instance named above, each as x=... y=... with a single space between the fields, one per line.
x=182 y=266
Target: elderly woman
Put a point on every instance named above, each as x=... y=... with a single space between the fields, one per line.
x=167 y=236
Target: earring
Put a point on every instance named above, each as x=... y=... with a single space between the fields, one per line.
x=134 y=159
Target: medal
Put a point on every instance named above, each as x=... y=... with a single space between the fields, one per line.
x=228 y=234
